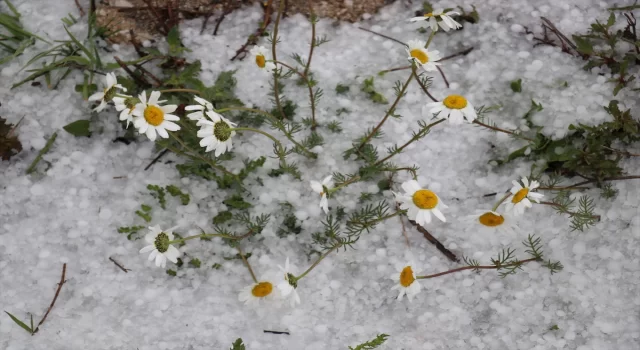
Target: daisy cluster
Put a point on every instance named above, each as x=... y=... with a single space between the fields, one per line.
x=152 y=117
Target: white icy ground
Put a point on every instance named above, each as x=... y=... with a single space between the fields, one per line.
x=70 y=213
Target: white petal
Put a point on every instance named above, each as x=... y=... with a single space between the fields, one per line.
x=111 y=80
x=172 y=254
x=143 y=99
x=316 y=186
x=525 y=181
x=416 y=19
x=162 y=132
x=153 y=254
x=147 y=249
x=437 y=213
x=194 y=108
x=171 y=126
x=324 y=204
x=151 y=133
x=169 y=109
x=154 y=97
x=97 y=96
x=160 y=259
x=411 y=186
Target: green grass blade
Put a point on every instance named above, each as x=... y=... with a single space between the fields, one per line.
x=12 y=8
x=20 y=323
x=82 y=47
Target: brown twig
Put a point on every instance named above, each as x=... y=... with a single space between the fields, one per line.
x=80 y=9
x=219 y=21
x=276 y=332
x=126 y=270
x=253 y=38
x=158 y=81
x=55 y=297
x=450 y=255
x=156 y=159
x=138 y=78
x=444 y=77
x=624 y=153
x=482 y=267
x=461 y=53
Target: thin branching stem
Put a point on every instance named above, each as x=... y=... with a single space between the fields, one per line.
x=312 y=100
x=413 y=139
x=281 y=151
x=382 y=35
x=297 y=278
x=389 y=111
x=274 y=41
x=570 y=213
x=481 y=267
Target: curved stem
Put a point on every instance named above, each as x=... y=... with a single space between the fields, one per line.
x=318 y=261
x=502 y=130
x=486 y=267
x=389 y=111
x=424 y=88
x=495 y=207
x=208 y=161
x=280 y=153
x=570 y=213
x=275 y=122
x=416 y=137
x=182 y=90
x=344 y=184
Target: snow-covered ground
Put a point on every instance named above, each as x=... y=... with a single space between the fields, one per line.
x=70 y=213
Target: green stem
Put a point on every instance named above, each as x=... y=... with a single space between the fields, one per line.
x=495 y=207
x=246 y=262
x=344 y=184
x=208 y=161
x=274 y=41
x=386 y=116
x=312 y=100
x=212 y=235
x=275 y=122
x=414 y=138
x=313 y=19
x=433 y=33
x=297 y=278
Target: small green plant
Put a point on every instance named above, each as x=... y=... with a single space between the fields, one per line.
x=371 y=344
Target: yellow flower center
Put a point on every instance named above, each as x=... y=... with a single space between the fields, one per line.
x=153 y=115
x=420 y=55
x=520 y=195
x=262 y=289
x=261 y=61
x=430 y=14
x=490 y=219
x=455 y=102
x=406 y=277
x=425 y=199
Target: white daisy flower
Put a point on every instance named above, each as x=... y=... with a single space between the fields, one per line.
x=420 y=203
x=454 y=107
x=151 y=117
x=320 y=189
x=108 y=93
x=203 y=105
x=439 y=17
x=160 y=248
x=260 y=55
x=263 y=290
x=125 y=105
x=287 y=286
x=490 y=221
x=406 y=282
x=421 y=56
x=521 y=196
x=216 y=134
